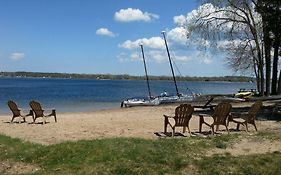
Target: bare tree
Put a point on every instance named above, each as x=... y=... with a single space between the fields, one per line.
x=236 y=28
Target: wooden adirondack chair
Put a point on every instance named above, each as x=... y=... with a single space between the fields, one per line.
x=248 y=118
x=17 y=111
x=220 y=115
x=39 y=112
x=183 y=114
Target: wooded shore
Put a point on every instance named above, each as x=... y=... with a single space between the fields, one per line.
x=124 y=77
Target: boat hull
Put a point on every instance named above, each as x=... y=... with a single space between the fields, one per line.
x=176 y=99
x=140 y=102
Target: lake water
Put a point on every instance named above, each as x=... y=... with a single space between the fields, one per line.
x=70 y=95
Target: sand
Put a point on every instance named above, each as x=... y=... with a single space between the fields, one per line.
x=125 y=122
x=140 y=122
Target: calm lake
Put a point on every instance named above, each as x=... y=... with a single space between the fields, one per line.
x=72 y=95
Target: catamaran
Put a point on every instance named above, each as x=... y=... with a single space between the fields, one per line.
x=141 y=101
x=178 y=97
x=164 y=97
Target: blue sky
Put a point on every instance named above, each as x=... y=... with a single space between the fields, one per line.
x=91 y=36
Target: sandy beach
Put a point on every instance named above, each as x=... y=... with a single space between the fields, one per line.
x=140 y=122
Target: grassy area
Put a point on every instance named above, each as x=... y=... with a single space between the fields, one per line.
x=140 y=156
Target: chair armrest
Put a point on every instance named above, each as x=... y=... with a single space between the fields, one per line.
x=167 y=116
x=53 y=112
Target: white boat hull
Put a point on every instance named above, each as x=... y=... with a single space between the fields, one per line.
x=176 y=99
x=140 y=102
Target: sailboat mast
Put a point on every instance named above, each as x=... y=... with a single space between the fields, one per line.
x=171 y=65
x=147 y=81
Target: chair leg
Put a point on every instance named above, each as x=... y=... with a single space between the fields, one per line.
x=54 y=113
x=213 y=130
x=165 y=124
x=33 y=118
x=246 y=127
x=217 y=127
x=32 y=115
x=255 y=126
x=12 y=119
x=201 y=120
x=55 y=118
x=227 y=129
x=237 y=128
x=173 y=133
x=184 y=129
x=189 y=130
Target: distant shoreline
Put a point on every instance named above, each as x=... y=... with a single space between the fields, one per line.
x=122 y=77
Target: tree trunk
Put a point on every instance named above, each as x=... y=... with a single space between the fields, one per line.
x=257 y=74
x=279 y=84
x=261 y=80
x=267 y=57
x=275 y=67
x=260 y=65
x=267 y=74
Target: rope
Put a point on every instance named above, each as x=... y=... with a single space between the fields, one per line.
x=185 y=84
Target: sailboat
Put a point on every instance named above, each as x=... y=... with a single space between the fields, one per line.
x=178 y=97
x=150 y=101
x=164 y=97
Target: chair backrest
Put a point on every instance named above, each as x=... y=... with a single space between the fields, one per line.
x=14 y=108
x=221 y=113
x=183 y=113
x=36 y=108
x=253 y=111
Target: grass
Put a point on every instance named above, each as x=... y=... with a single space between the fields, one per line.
x=139 y=156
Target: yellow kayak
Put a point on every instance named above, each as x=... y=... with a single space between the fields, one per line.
x=244 y=94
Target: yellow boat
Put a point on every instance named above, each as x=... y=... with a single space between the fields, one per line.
x=244 y=94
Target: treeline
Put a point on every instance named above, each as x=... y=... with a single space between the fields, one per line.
x=123 y=77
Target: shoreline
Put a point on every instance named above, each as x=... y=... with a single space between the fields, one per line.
x=137 y=122
x=86 y=107
x=43 y=75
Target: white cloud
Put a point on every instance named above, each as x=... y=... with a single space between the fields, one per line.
x=157 y=55
x=105 y=32
x=182 y=48
x=180 y=20
x=153 y=42
x=155 y=49
x=135 y=56
x=178 y=36
x=122 y=57
x=130 y=14
x=182 y=58
x=17 y=56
